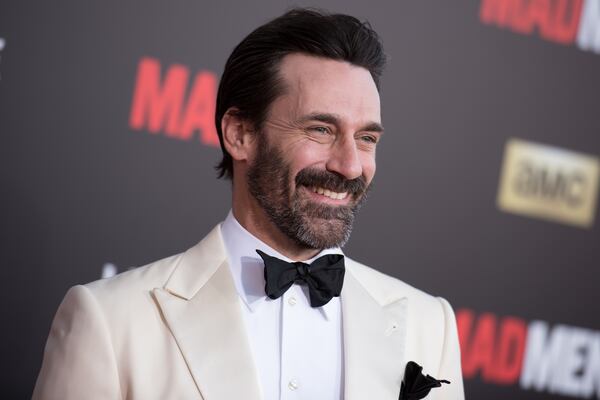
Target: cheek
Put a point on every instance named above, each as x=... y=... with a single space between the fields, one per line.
x=308 y=155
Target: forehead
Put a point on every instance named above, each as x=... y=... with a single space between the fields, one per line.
x=321 y=85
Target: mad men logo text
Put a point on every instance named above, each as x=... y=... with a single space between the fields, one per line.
x=536 y=356
x=569 y=22
x=170 y=103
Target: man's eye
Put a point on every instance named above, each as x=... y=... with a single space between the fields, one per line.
x=369 y=139
x=321 y=129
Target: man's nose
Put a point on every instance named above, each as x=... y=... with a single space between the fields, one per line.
x=344 y=158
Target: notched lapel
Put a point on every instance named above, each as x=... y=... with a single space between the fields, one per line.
x=374 y=343
x=208 y=325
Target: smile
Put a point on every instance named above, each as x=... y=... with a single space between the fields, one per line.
x=329 y=193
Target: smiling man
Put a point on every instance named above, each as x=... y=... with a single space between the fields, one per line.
x=267 y=306
x=300 y=178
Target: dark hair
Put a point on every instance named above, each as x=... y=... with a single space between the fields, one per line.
x=250 y=81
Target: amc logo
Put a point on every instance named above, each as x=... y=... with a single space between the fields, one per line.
x=550 y=183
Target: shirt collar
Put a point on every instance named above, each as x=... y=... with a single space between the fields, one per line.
x=247 y=267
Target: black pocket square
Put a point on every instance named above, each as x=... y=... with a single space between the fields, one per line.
x=415 y=385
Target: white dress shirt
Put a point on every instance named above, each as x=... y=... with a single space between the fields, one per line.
x=297 y=349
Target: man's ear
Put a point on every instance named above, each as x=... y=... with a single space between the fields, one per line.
x=237 y=135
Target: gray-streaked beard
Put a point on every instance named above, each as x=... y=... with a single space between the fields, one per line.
x=309 y=224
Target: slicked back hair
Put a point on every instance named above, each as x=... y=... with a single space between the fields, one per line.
x=251 y=82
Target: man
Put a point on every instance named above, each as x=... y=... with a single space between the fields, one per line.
x=298 y=117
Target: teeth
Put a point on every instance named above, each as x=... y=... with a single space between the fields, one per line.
x=329 y=193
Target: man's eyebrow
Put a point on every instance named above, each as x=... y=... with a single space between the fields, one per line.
x=334 y=119
x=373 y=127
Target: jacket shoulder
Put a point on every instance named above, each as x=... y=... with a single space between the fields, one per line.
x=432 y=334
x=386 y=289
x=139 y=280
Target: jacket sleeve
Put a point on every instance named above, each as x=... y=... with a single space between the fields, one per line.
x=79 y=361
x=450 y=364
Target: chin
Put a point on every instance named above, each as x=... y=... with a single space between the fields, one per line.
x=323 y=233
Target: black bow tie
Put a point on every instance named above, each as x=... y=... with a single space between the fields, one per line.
x=324 y=277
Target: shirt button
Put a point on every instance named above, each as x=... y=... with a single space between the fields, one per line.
x=293 y=384
x=292 y=301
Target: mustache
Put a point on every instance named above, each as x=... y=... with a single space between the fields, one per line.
x=331 y=181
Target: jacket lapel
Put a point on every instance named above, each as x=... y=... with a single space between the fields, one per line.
x=374 y=341
x=201 y=307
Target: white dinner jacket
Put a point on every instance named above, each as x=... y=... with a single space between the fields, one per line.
x=174 y=330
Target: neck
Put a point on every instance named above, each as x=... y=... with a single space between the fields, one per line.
x=255 y=221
